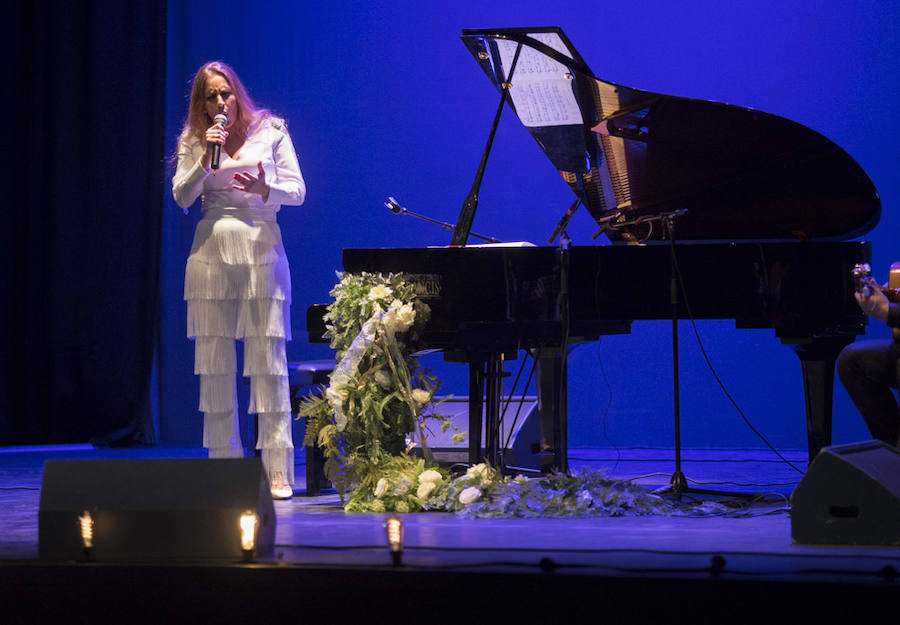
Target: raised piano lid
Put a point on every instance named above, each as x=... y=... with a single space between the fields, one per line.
x=630 y=154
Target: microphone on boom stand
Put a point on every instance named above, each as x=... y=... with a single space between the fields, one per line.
x=397 y=209
x=564 y=221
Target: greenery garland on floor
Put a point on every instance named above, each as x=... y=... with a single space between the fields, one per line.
x=380 y=404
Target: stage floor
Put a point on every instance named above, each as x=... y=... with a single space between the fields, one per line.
x=744 y=553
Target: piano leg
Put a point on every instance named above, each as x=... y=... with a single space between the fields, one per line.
x=553 y=452
x=485 y=394
x=817 y=362
x=476 y=410
x=493 y=394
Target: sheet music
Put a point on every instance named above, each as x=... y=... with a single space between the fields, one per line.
x=541 y=91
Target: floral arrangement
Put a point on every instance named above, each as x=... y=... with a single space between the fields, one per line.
x=378 y=395
x=378 y=398
x=406 y=484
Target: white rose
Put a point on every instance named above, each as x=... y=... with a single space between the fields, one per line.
x=379 y=291
x=383 y=379
x=399 y=317
x=421 y=396
x=389 y=320
x=469 y=495
x=429 y=476
x=425 y=489
x=381 y=487
x=477 y=470
x=406 y=315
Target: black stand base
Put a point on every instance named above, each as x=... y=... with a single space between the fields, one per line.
x=678 y=485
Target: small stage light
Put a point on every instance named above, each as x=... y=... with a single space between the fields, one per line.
x=86 y=526
x=394 y=529
x=248 y=523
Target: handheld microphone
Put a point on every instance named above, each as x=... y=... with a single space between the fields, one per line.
x=221 y=120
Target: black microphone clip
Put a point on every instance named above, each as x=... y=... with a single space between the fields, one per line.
x=394 y=206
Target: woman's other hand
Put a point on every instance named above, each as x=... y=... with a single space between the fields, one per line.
x=247 y=182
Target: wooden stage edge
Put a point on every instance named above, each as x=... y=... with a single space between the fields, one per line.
x=329 y=566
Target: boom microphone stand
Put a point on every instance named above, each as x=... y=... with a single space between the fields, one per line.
x=402 y=210
x=677 y=483
x=560 y=421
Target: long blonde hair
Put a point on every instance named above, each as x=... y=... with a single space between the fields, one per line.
x=198 y=120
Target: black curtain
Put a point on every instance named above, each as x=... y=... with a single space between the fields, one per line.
x=84 y=190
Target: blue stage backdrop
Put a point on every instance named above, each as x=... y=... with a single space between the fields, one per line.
x=383 y=99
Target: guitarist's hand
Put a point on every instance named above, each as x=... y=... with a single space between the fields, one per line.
x=872 y=300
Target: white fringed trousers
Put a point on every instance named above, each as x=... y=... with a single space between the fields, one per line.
x=237 y=287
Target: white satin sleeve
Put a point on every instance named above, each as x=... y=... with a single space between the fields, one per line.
x=187 y=183
x=287 y=186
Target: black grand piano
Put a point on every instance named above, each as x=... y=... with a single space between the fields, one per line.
x=686 y=194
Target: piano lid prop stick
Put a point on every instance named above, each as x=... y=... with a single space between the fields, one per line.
x=467 y=213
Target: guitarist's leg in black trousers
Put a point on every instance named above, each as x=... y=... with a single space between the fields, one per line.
x=870 y=370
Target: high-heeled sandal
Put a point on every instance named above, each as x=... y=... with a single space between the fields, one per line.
x=279 y=488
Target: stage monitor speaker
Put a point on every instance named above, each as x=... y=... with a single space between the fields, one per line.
x=523 y=443
x=154 y=509
x=850 y=495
